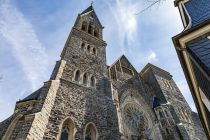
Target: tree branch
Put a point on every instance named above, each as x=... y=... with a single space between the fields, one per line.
x=149 y=6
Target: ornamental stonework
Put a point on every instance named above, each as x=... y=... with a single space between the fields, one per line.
x=85 y=99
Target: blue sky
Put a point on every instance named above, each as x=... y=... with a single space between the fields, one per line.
x=33 y=33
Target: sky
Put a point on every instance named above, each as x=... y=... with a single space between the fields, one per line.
x=33 y=34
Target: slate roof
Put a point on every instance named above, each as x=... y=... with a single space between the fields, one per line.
x=156 y=102
x=33 y=96
x=200 y=50
x=199 y=11
x=90 y=8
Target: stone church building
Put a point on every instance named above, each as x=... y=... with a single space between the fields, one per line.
x=85 y=99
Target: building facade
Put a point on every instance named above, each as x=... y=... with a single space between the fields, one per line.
x=193 y=49
x=85 y=99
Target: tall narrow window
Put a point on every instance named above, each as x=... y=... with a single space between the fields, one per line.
x=161 y=114
x=167 y=131
x=90 y=29
x=84 y=26
x=92 y=81
x=85 y=79
x=82 y=45
x=94 y=50
x=90 y=133
x=65 y=133
x=77 y=75
x=67 y=130
x=96 y=32
x=88 y=48
x=166 y=113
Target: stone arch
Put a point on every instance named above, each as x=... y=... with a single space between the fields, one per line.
x=90 y=132
x=132 y=95
x=84 y=26
x=67 y=129
x=11 y=127
x=77 y=74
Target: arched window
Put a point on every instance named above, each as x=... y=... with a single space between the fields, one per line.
x=85 y=79
x=94 y=50
x=167 y=131
x=65 y=133
x=67 y=130
x=92 y=81
x=77 y=75
x=96 y=32
x=84 y=26
x=90 y=132
x=11 y=127
x=90 y=29
x=166 y=113
x=161 y=114
x=88 y=48
x=82 y=45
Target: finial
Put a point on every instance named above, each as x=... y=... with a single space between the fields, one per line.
x=91 y=2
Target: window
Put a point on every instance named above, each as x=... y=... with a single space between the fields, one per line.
x=92 y=81
x=166 y=113
x=77 y=75
x=90 y=132
x=65 y=133
x=67 y=130
x=94 y=50
x=82 y=45
x=84 y=26
x=85 y=79
x=90 y=29
x=96 y=32
x=167 y=132
x=161 y=114
x=88 y=48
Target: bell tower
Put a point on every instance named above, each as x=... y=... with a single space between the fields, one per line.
x=76 y=102
x=84 y=96
x=85 y=50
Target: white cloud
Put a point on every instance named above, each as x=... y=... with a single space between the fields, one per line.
x=152 y=57
x=126 y=20
x=25 y=45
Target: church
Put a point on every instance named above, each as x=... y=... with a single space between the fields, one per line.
x=85 y=99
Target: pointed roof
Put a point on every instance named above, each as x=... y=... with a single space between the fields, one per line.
x=124 y=58
x=89 y=9
x=152 y=67
x=32 y=96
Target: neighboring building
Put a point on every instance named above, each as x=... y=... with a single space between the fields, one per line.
x=87 y=100
x=193 y=48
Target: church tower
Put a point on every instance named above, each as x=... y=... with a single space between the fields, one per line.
x=76 y=102
x=85 y=99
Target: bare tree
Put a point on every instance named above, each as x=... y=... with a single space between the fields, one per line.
x=151 y=3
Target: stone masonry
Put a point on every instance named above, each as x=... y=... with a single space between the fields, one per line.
x=87 y=100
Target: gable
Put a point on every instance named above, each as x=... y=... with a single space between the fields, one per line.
x=122 y=65
x=91 y=14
